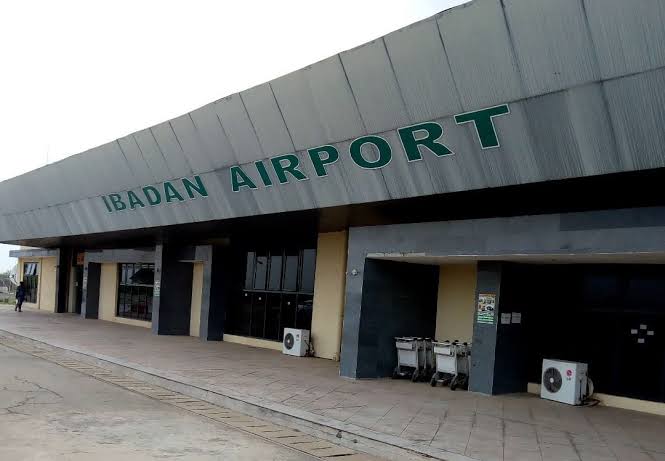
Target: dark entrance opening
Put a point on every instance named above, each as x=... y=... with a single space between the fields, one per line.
x=611 y=316
x=398 y=299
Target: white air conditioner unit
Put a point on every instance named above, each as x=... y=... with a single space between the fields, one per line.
x=296 y=342
x=564 y=382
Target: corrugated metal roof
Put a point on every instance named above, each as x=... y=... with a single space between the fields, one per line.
x=584 y=80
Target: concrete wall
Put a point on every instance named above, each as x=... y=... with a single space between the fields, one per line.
x=456 y=301
x=46 y=270
x=254 y=342
x=47 y=284
x=108 y=297
x=398 y=299
x=329 y=284
x=72 y=290
x=197 y=293
x=108 y=291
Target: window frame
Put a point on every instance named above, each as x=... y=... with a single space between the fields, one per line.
x=242 y=321
x=31 y=273
x=127 y=291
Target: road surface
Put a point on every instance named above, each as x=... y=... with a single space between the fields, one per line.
x=48 y=412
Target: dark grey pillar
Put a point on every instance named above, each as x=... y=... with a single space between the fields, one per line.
x=62 y=274
x=481 y=376
x=498 y=354
x=398 y=299
x=172 y=292
x=90 y=294
x=206 y=329
x=221 y=279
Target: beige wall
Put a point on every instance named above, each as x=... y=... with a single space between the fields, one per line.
x=108 y=297
x=108 y=291
x=197 y=294
x=329 y=287
x=646 y=406
x=46 y=271
x=456 y=301
x=47 y=284
x=254 y=342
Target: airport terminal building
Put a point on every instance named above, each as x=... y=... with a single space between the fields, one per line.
x=510 y=149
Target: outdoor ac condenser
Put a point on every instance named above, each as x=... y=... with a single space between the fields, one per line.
x=564 y=382
x=296 y=342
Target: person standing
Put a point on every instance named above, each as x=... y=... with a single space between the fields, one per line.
x=20 y=296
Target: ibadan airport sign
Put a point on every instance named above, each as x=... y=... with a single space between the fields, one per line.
x=426 y=135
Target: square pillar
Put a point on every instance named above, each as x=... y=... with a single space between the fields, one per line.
x=172 y=292
x=221 y=278
x=62 y=274
x=498 y=349
x=481 y=376
x=90 y=293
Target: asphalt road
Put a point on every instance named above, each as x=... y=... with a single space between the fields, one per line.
x=48 y=412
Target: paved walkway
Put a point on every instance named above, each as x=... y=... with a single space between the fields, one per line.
x=438 y=421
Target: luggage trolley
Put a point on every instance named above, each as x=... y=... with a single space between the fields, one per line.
x=414 y=357
x=452 y=364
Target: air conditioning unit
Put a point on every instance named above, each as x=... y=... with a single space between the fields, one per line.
x=296 y=342
x=564 y=382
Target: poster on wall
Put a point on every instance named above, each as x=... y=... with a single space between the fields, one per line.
x=486 y=307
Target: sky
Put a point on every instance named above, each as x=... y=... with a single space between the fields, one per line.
x=77 y=74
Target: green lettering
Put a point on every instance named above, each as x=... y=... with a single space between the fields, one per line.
x=190 y=187
x=240 y=179
x=290 y=167
x=134 y=200
x=411 y=145
x=484 y=123
x=385 y=153
x=171 y=193
x=108 y=207
x=263 y=172
x=152 y=195
x=331 y=156
x=117 y=202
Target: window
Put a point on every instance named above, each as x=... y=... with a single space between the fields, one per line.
x=135 y=287
x=31 y=279
x=277 y=293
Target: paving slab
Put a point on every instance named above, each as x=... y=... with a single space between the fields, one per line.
x=409 y=416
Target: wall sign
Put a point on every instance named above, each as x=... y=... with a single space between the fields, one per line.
x=369 y=152
x=486 y=308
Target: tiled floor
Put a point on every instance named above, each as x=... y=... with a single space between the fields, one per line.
x=511 y=428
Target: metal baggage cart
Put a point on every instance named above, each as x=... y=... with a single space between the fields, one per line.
x=414 y=357
x=452 y=364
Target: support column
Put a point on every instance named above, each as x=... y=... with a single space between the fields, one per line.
x=221 y=275
x=172 y=293
x=62 y=274
x=331 y=251
x=90 y=292
x=483 y=352
x=497 y=357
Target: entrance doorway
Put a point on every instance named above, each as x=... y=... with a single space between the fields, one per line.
x=611 y=316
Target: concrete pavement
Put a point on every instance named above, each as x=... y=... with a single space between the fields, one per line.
x=48 y=412
x=383 y=413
